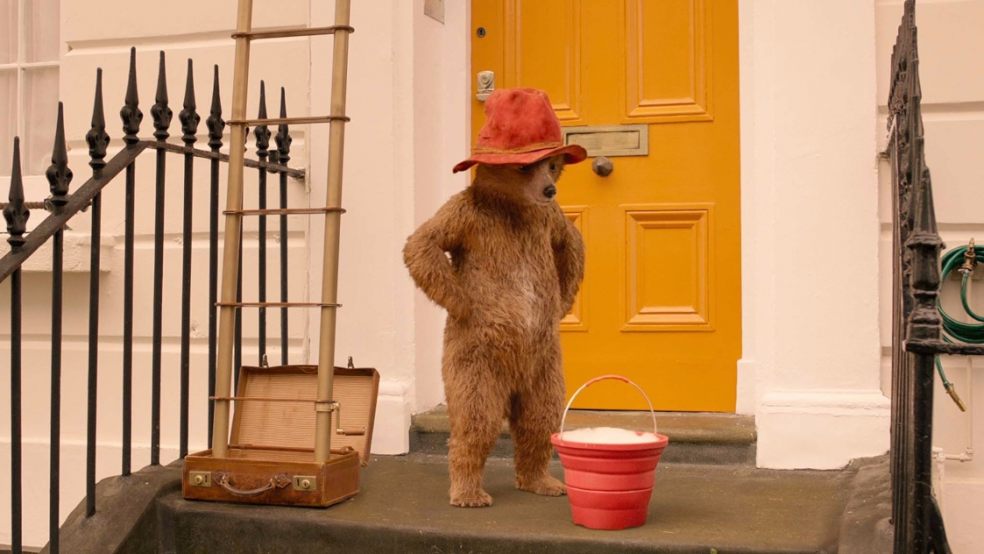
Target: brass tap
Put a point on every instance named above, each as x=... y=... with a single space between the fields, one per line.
x=970 y=258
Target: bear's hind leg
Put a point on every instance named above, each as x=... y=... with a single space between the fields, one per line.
x=475 y=411
x=533 y=418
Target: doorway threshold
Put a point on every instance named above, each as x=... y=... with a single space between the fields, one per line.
x=695 y=437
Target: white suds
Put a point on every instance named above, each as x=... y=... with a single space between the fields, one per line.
x=608 y=435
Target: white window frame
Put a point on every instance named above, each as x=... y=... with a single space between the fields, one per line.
x=35 y=184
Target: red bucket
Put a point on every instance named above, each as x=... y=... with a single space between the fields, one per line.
x=609 y=485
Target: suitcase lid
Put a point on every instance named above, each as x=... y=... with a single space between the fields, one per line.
x=286 y=419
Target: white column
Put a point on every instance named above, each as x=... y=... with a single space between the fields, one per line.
x=810 y=366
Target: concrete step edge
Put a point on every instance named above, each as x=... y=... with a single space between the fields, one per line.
x=679 y=427
x=716 y=439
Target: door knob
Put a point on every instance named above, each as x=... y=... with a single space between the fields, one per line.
x=602 y=166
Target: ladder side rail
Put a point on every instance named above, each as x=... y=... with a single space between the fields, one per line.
x=232 y=237
x=329 y=289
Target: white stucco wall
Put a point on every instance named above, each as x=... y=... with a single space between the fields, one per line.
x=953 y=116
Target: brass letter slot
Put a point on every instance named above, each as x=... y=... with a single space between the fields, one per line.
x=610 y=140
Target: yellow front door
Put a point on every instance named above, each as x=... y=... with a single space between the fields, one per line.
x=660 y=302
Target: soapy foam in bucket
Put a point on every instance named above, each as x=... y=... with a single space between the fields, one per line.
x=608 y=435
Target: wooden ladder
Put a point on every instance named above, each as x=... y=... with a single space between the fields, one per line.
x=324 y=406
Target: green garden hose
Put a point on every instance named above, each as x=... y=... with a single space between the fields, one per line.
x=963 y=259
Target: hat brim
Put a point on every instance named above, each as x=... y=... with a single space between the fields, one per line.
x=573 y=153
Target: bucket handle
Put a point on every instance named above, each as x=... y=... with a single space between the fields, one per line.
x=614 y=377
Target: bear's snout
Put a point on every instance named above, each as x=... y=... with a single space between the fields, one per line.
x=550 y=191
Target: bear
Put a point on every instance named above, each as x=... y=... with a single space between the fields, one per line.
x=505 y=263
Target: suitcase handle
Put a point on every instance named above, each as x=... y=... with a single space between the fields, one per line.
x=278 y=481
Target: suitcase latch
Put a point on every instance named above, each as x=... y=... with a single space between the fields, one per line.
x=200 y=478
x=305 y=483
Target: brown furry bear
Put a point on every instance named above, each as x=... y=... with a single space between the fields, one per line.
x=505 y=263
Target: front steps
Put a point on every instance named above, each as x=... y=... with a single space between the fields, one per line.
x=702 y=438
x=403 y=508
x=722 y=504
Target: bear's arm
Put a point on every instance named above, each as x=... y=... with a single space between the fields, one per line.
x=569 y=256
x=424 y=255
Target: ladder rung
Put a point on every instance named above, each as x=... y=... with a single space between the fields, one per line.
x=303 y=120
x=296 y=32
x=342 y=450
x=276 y=305
x=285 y=211
x=262 y=399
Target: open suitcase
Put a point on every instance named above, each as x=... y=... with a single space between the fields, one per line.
x=270 y=459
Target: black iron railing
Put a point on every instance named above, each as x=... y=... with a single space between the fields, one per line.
x=916 y=339
x=64 y=205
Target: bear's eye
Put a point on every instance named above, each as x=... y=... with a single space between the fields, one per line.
x=553 y=166
x=526 y=168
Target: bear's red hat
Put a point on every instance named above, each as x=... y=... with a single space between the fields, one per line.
x=520 y=128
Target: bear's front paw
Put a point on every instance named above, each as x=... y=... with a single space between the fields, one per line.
x=471 y=499
x=545 y=485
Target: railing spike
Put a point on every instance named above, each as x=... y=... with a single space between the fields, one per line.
x=97 y=138
x=262 y=132
x=130 y=112
x=214 y=121
x=924 y=218
x=16 y=213
x=283 y=137
x=262 y=112
x=59 y=175
x=160 y=111
x=188 y=116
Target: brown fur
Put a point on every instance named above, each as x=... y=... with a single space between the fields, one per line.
x=515 y=266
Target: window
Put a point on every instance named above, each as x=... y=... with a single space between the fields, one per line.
x=30 y=48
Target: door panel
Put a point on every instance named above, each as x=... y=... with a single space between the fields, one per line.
x=527 y=50
x=666 y=268
x=660 y=301
x=666 y=64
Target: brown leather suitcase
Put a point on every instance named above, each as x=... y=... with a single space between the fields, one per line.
x=271 y=445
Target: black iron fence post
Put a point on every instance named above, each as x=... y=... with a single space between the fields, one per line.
x=132 y=116
x=189 y=128
x=215 y=126
x=262 y=137
x=59 y=176
x=16 y=215
x=283 y=139
x=916 y=340
x=97 y=139
x=161 y=114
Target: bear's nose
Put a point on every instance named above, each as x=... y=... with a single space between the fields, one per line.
x=550 y=191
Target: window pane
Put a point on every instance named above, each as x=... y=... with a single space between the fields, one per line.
x=8 y=119
x=8 y=31
x=40 y=113
x=41 y=32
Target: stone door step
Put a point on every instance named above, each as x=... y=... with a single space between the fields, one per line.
x=698 y=438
